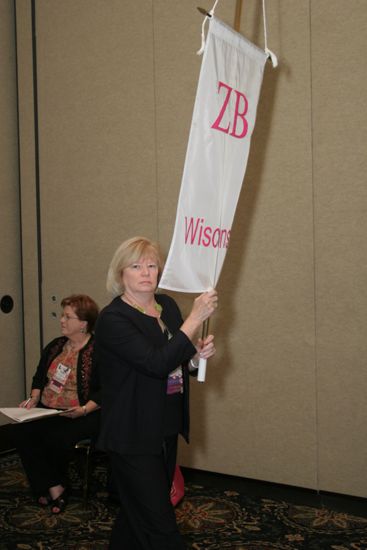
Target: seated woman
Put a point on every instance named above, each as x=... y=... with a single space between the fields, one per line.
x=66 y=378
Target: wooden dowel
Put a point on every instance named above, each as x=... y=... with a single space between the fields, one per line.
x=237 y=17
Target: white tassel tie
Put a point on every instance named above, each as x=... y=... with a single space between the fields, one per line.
x=268 y=52
x=208 y=16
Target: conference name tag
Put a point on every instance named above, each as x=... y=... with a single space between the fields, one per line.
x=60 y=377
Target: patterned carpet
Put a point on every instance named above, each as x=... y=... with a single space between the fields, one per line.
x=208 y=518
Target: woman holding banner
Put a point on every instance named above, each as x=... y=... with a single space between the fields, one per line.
x=144 y=350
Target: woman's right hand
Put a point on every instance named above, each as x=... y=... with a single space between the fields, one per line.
x=204 y=306
x=29 y=403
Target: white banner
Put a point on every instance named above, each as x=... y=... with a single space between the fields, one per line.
x=216 y=158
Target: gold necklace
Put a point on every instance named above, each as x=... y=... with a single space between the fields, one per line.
x=156 y=306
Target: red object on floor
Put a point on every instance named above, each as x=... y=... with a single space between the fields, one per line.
x=178 y=487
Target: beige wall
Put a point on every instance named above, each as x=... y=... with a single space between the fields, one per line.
x=339 y=118
x=284 y=399
x=11 y=333
x=29 y=223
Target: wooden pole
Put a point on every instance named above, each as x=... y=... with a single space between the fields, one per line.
x=237 y=17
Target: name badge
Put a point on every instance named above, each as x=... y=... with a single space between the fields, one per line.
x=60 y=377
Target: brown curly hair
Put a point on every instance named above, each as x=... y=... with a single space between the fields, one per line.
x=85 y=308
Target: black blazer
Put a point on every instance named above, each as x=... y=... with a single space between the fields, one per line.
x=135 y=359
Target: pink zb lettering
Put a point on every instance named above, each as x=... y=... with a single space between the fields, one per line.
x=240 y=111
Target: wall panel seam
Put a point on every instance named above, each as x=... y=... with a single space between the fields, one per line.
x=37 y=168
x=317 y=457
x=21 y=251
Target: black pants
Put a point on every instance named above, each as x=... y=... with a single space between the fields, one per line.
x=169 y=454
x=46 y=446
x=146 y=520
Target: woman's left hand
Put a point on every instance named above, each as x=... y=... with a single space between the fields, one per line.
x=73 y=413
x=205 y=347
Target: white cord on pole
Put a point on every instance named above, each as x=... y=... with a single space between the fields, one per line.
x=208 y=16
x=271 y=54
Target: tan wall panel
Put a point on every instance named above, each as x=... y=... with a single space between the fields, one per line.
x=11 y=366
x=97 y=149
x=340 y=137
x=176 y=71
x=28 y=198
x=258 y=404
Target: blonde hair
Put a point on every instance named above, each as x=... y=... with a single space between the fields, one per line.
x=129 y=252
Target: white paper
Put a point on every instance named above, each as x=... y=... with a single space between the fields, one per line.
x=20 y=414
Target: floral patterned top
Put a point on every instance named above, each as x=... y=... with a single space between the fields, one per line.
x=60 y=391
x=86 y=372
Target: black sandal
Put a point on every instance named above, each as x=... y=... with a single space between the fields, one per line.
x=60 y=503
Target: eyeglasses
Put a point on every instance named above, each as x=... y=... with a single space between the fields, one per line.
x=68 y=317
